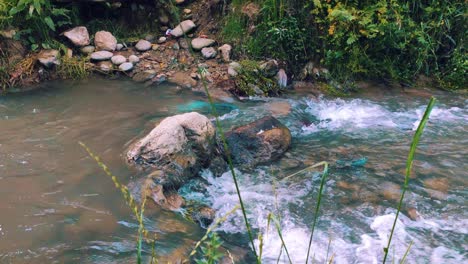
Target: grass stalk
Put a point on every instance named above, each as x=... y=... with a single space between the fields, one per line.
x=272 y=218
x=403 y=260
x=317 y=207
x=409 y=165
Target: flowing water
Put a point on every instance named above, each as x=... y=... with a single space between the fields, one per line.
x=57 y=206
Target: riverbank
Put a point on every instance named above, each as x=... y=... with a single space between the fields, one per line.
x=152 y=54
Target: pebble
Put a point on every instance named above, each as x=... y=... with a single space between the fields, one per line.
x=126 y=66
x=200 y=43
x=208 y=53
x=162 y=40
x=88 y=49
x=133 y=59
x=101 y=55
x=118 y=59
x=143 y=45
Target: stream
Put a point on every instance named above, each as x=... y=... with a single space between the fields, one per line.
x=58 y=206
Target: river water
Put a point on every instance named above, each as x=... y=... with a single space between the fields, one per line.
x=57 y=206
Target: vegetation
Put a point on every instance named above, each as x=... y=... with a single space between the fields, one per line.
x=251 y=81
x=395 y=40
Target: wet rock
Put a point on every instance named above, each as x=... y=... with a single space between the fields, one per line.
x=126 y=66
x=208 y=53
x=218 y=166
x=143 y=45
x=437 y=188
x=269 y=68
x=79 y=36
x=438 y=184
x=133 y=59
x=49 y=57
x=390 y=191
x=259 y=142
x=105 y=66
x=204 y=216
x=87 y=49
x=225 y=52
x=104 y=40
x=184 y=27
x=279 y=108
x=182 y=79
x=162 y=40
x=168 y=200
x=413 y=214
x=101 y=55
x=144 y=76
x=118 y=59
x=179 y=146
x=200 y=43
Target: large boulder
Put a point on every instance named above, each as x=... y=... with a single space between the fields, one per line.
x=177 y=148
x=79 y=36
x=259 y=142
x=104 y=40
x=184 y=27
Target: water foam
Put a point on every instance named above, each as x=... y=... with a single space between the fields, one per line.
x=355 y=114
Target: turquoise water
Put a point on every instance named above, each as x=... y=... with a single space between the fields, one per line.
x=57 y=206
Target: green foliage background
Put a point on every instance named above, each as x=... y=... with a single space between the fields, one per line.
x=390 y=39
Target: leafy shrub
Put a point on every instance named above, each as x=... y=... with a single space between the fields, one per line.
x=38 y=19
x=396 y=40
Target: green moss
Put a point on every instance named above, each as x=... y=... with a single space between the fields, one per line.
x=251 y=78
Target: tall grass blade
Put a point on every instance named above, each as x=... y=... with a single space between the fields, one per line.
x=403 y=260
x=280 y=234
x=317 y=207
x=409 y=165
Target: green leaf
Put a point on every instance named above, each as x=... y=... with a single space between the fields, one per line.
x=49 y=23
x=13 y=11
x=34 y=47
x=351 y=39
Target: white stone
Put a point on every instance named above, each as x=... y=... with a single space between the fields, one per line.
x=133 y=59
x=126 y=66
x=101 y=55
x=104 y=40
x=208 y=53
x=88 y=49
x=79 y=36
x=118 y=59
x=200 y=43
x=184 y=27
x=143 y=45
x=225 y=52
